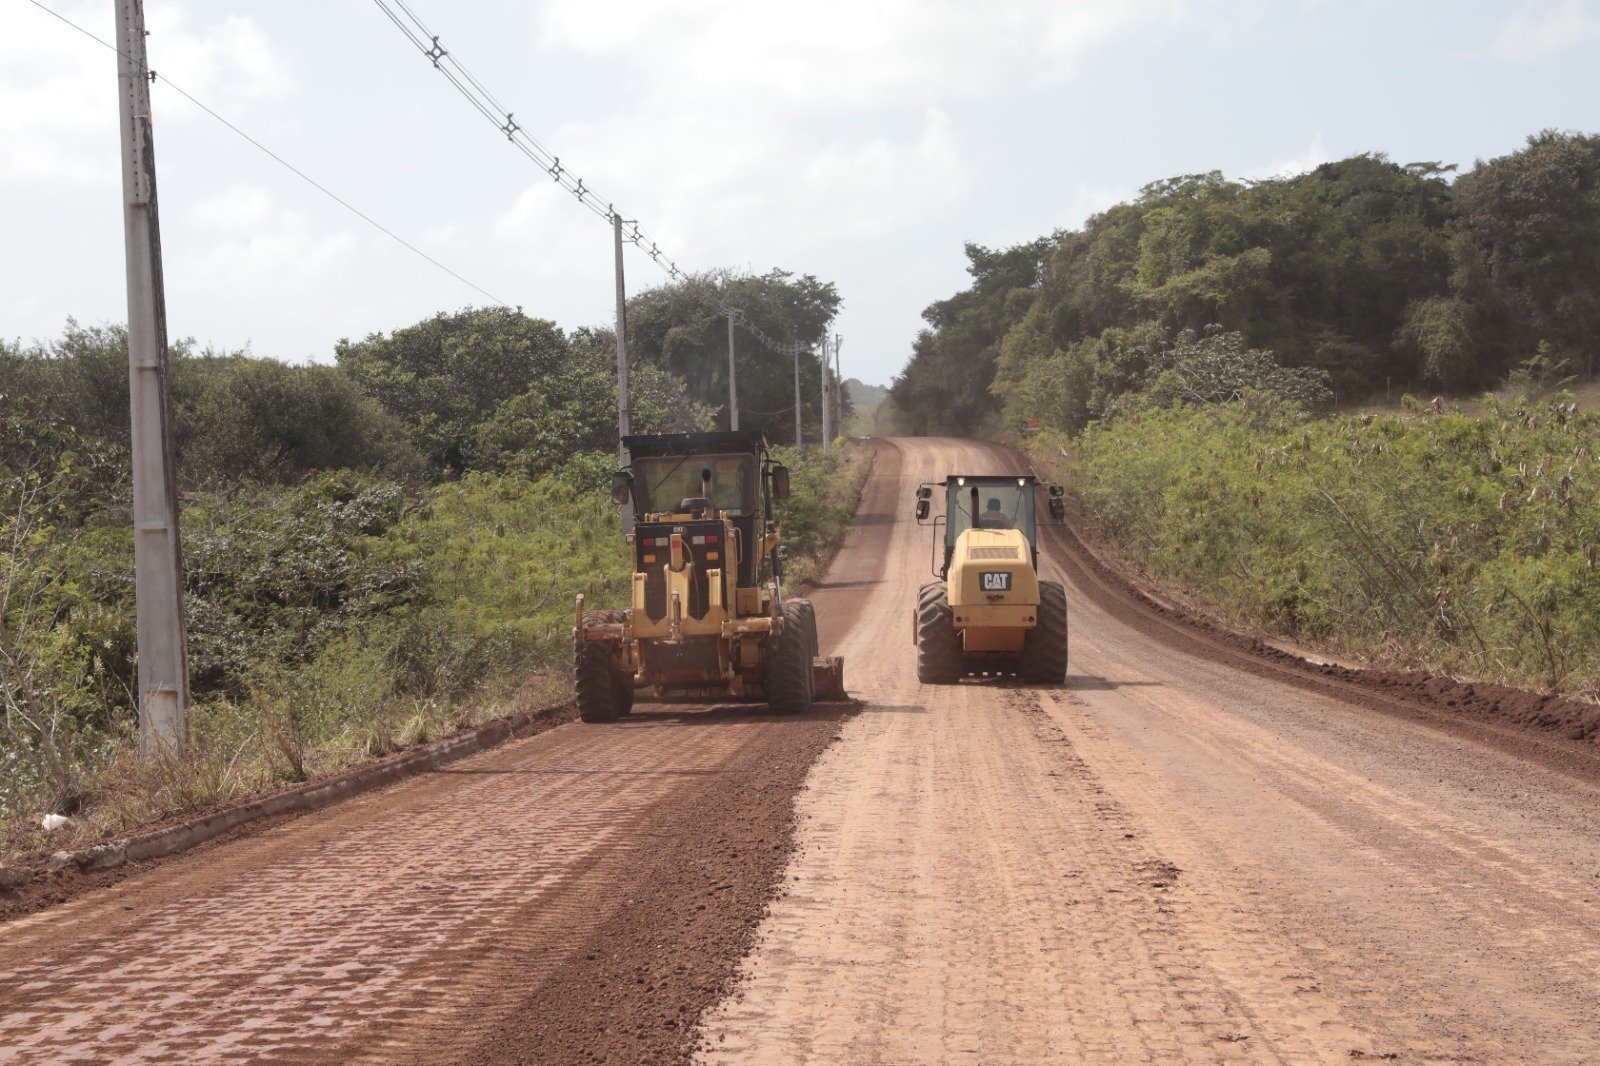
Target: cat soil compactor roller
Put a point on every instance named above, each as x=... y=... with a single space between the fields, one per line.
x=989 y=613
x=708 y=617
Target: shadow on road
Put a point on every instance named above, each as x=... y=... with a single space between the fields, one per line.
x=725 y=714
x=1091 y=683
x=587 y=771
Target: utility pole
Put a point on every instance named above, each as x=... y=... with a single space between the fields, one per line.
x=162 y=654
x=624 y=404
x=624 y=415
x=798 y=441
x=827 y=434
x=838 y=386
x=733 y=378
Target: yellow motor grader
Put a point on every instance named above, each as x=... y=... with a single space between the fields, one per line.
x=989 y=613
x=708 y=617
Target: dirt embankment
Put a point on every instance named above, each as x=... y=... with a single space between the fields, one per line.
x=1559 y=730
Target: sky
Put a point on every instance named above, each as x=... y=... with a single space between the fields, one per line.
x=862 y=141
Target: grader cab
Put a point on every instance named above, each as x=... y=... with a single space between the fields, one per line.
x=989 y=613
x=707 y=616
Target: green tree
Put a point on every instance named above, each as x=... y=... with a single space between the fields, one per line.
x=682 y=328
x=443 y=376
x=259 y=419
x=1217 y=367
x=1531 y=223
x=946 y=385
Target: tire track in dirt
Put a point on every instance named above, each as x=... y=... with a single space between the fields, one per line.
x=1445 y=896
x=385 y=921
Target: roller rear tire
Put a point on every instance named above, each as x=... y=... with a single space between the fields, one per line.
x=939 y=651
x=1044 y=655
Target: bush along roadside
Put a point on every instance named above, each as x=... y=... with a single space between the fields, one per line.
x=331 y=622
x=822 y=503
x=1429 y=541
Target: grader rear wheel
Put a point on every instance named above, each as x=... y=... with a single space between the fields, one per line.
x=601 y=691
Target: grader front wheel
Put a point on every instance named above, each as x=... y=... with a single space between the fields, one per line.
x=789 y=680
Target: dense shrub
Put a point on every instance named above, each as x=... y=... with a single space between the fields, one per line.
x=1462 y=544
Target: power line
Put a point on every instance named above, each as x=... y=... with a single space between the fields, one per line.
x=503 y=119
x=484 y=102
x=302 y=175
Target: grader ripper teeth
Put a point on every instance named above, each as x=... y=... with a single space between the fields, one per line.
x=707 y=616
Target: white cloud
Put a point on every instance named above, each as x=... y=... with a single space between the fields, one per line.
x=1313 y=157
x=230 y=63
x=549 y=235
x=446 y=235
x=845 y=54
x=1535 y=31
x=59 y=119
x=713 y=197
x=1088 y=200
x=792 y=128
x=242 y=242
x=59 y=122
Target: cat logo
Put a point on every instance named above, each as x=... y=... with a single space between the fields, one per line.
x=995 y=580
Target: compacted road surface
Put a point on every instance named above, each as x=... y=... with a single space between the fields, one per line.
x=1169 y=859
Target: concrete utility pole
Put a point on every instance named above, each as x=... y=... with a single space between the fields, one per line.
x=624 y=414
x=733 y=379
x=838 y=386
x=798 y=441
x=827 y=405
x=163 y=657
x=624 y=403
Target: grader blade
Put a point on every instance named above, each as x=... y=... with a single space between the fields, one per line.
x=827 y=677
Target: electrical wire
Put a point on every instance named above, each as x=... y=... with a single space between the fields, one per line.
x=302 y=175
x=488 y=105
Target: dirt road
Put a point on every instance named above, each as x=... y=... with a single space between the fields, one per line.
x=1169 y=859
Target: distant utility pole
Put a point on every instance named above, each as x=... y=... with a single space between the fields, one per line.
x=798 y=441
x=838 y=386
x=624 y=404
x=733 y=378
x=827 y=402
x=162 y=654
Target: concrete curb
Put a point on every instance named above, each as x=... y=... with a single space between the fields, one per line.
x=311 y=796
